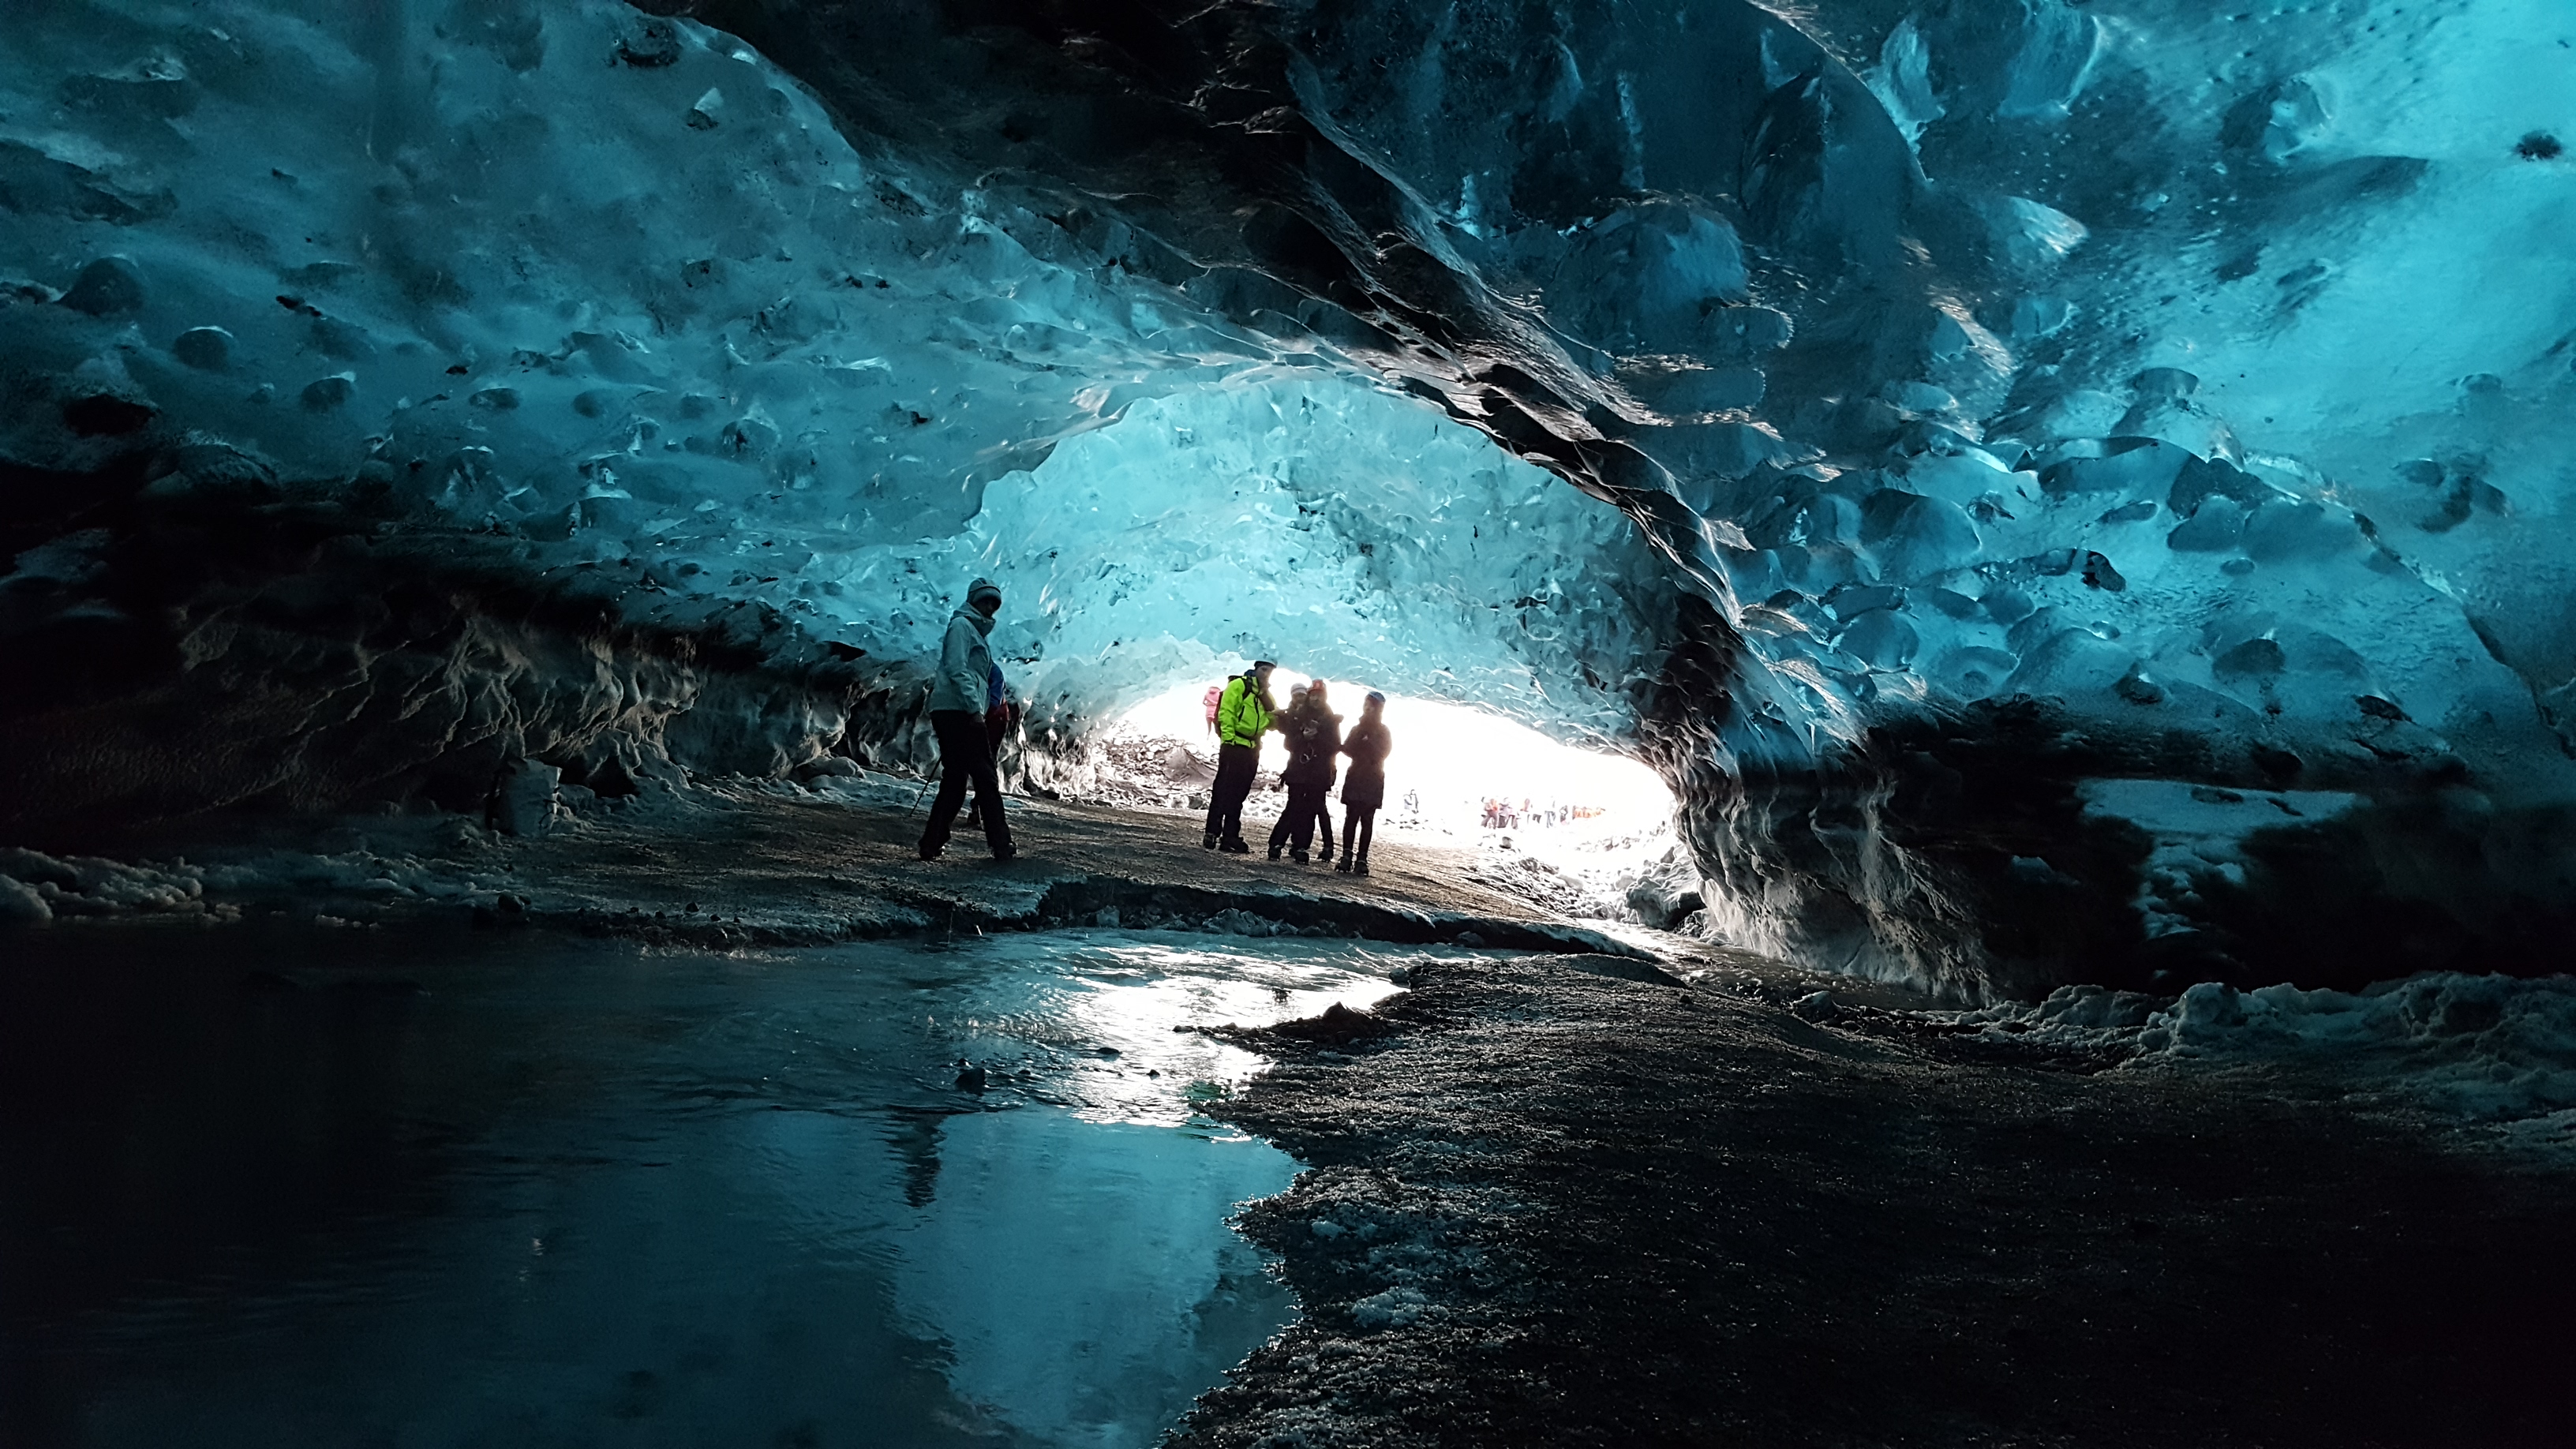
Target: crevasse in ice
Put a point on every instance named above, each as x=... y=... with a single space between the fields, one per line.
x=2038 y=426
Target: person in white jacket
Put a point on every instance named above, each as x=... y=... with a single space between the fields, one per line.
x=958 y=695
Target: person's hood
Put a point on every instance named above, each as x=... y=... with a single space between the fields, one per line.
x=982 y=621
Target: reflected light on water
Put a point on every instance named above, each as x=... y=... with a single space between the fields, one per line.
x=1105 y=1011
x=531 y=1190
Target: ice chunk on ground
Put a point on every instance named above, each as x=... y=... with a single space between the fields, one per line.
x=2491 y=1052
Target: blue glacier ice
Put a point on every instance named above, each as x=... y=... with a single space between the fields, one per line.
x=1939 y=438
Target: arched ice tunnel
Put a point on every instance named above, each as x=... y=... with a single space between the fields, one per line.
x=2055 y=505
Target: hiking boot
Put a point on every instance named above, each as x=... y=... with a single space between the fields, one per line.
x=1360 y=866
x=1298 y=856
x=1005 y=854
x=1274 y=852
x=1208 y=841
x=1343 y=865
x=1235 y=847
x=930 y=852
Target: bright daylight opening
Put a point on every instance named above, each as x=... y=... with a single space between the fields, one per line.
x=1590 y=822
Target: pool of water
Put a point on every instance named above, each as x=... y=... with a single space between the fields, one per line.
x=359 y=1188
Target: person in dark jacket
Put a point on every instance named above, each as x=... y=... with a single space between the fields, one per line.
x=1314 y=735
x=959 y=696
x=1244 y=713
x=1324 y=803
x=1364 y=789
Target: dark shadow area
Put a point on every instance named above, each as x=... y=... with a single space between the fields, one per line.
x=1636 y=1215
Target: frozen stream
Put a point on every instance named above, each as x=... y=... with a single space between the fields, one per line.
x=350 y=1188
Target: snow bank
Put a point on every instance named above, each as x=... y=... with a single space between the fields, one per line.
x=36 y=888
x=2494 y=1051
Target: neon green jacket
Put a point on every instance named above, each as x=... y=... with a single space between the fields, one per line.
x=1242 y=716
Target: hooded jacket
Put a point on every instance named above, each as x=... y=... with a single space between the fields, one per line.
x=965 y=664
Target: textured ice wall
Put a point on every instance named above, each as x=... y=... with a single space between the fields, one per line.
x=1298 y=517
x=2166 y=391
x=2037 y=396
x=2033 y=399
x=599 y=316
x=544 y=267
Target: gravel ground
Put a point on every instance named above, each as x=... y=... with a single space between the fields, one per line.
x=1553 y=1207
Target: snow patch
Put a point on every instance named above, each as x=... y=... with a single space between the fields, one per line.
x=2200 y=833
x=36 y=888
x=2491 y=1051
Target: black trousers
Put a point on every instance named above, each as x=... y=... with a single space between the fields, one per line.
x=964 y=758
x=1235 y=767
x=1296 y=827
x=994 y=730
x=1359 y=824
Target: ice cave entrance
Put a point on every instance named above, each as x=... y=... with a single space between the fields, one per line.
x=1461 y=772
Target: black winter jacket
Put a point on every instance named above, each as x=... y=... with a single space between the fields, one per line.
x=1314 y=739
x=1367 y=747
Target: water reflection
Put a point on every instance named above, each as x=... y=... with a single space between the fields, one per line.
x=339 y=1189
x=1087 y=1020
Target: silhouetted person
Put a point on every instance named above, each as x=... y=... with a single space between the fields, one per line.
x=1314 y=736
x=959 y=706
x=1364 y=789
x=1324 y=802
x=1243 y=714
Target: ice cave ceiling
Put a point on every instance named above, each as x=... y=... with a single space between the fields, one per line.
x=2050 y=481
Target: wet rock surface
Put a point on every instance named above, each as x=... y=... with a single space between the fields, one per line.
x=744 y=863
x=1552 y=1207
